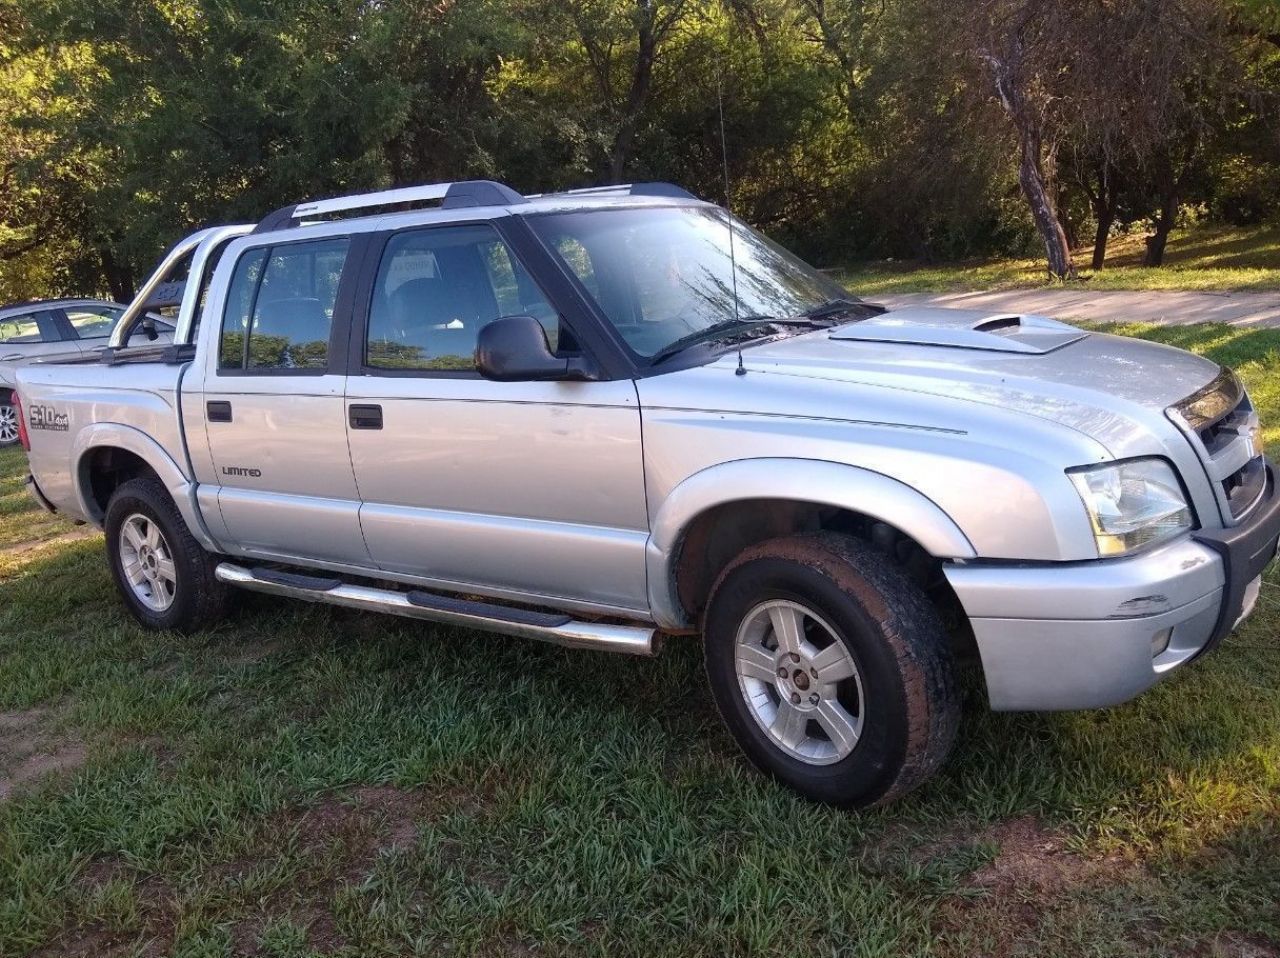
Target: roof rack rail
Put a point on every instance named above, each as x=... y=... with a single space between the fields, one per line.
x=629 y=189
x=451 y=196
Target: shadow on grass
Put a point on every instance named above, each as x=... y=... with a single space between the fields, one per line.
x=326 y=673
x=1257 y=248
x=557 y=789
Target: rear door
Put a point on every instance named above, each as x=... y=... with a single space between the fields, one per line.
x=273 y=403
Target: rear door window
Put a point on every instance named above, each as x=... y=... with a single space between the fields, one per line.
x=27 y=328
x=280 y=306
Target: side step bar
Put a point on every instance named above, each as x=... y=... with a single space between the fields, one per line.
x=551 y=627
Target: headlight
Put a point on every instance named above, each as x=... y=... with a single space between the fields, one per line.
x=1132 y=504
x=1213 y=402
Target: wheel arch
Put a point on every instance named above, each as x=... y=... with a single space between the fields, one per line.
x=714 y=514
x=105 y=455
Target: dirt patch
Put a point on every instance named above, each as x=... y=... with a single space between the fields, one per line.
x=344 y=833
x=998 y=906
x=78 y=534
x=341 y=836
x=31 y=751
x=92 y=942
x=250 y=652
x=1234 y=944
x=1035 y=862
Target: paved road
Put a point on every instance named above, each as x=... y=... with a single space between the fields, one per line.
x=1173 y=308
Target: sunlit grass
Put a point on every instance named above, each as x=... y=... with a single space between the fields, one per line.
x=1203 y=258
x=306 y=779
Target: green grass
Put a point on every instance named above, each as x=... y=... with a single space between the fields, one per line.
x=304 y=780
x=1207 y=258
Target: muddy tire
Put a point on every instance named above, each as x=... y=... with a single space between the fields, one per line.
x=831 y=669
x=164 y=575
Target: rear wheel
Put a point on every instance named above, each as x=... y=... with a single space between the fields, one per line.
x=165 y=577
x=8 y=419
x=831 y=669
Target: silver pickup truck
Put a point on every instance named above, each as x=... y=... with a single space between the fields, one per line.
x=598 y=417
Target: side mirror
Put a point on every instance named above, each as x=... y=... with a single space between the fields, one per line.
x=148 y=326
x=515 y=349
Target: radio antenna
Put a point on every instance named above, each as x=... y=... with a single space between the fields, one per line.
x=728 y=205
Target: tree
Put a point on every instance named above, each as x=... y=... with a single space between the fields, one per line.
x=1019 y=51
x=604 y=57
x=1179 y=71
x=171 y=116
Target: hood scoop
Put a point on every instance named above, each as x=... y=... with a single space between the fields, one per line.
x=963 y=329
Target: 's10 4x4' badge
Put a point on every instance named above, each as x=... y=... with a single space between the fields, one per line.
x=46 y=417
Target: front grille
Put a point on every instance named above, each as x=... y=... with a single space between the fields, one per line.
x=1222 y=425
x=1244 y=486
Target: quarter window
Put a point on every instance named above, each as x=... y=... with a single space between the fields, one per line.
x=436 y=288
x=280 y=307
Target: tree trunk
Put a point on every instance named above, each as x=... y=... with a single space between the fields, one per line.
x=1070 y=228
x=1105 y=202
x=1031 y=179
x=118 y=276
x=1174 y=171
x=1006 y=71
x=637 y=95
x=1106 y=216
x=1157 y=241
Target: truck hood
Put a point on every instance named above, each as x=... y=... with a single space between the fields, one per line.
x=1092 y=382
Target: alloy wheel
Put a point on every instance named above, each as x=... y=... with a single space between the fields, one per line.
x=148 y=562
x=800 y=683
x=8 y=424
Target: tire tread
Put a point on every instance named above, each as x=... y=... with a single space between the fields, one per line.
x=909 y=625
x=206 y=598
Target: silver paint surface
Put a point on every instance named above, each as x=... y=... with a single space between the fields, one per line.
x=954 y=426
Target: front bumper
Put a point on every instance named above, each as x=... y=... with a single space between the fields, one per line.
x=1091 y=634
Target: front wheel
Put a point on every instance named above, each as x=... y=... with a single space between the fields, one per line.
x=831 y=669
x=163 y=574
x=8 y=420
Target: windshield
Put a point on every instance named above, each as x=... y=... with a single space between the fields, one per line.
x=662 y=274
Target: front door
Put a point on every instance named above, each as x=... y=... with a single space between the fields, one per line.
x=520 y=489
x=272 y=406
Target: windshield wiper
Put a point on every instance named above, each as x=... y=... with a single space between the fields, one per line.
x=715 y=331
x=839 y=307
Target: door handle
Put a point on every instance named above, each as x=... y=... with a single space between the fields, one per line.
x=218 y=410
x=365 y=416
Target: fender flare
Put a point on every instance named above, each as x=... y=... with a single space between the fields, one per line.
x=800 y=480
x=114 y=435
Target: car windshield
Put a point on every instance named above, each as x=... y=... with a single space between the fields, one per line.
x=662 y=274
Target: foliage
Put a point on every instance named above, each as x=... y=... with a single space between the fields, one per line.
x=849 y=128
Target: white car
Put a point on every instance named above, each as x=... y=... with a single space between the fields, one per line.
x=55 y=329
